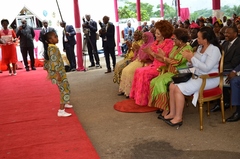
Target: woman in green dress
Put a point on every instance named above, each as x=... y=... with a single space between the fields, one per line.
x=158 y=96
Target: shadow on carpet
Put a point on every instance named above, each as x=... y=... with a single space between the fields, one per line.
x=129 y=106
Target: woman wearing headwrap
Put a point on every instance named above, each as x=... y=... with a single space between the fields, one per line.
x=141 y=59
x=132 y=47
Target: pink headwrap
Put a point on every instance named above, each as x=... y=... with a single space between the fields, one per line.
x=140 y=53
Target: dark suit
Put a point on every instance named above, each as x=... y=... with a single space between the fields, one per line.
x=68 y=45
x=231 y=60
x=232 y=56
x=92 y=42
x=26 y=44
x=42 y=39
x=109 y=45
x=234 y=84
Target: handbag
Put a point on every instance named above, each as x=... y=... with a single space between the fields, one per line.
x=181 y=77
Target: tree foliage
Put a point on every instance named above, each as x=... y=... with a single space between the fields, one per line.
x=129 y=11
x=147 y=11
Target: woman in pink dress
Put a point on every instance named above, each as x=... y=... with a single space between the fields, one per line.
x=142 y=76
x=9 y=53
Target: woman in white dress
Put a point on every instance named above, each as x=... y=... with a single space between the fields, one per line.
x=205 y=60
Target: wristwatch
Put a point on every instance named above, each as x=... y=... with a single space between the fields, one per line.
x=237 y=73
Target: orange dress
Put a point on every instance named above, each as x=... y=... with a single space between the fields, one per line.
x=9 y=52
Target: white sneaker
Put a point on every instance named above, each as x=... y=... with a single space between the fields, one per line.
x=68 y=106
x=62 y=113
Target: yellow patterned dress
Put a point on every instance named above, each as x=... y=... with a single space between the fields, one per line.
x=120 y=65
x=53 y=66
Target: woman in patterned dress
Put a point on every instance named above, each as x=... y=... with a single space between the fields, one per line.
x=132 y=47
x=142 y=59
x=159 y=96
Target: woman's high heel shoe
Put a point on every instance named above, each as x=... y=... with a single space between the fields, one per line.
x=162 y=117
x=159 y=111
x=120 y=94
x=178 y=124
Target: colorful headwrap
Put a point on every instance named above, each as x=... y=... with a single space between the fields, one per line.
x=194 y=25
x=219 y=21
x=139 y=33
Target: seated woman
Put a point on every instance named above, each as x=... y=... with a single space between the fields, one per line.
x=141 y=59
x=142 y=76
x=205 y=60
x=128 y=57
x=158 y=96
x=217 y=26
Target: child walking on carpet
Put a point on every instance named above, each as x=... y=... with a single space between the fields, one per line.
x=54 y=65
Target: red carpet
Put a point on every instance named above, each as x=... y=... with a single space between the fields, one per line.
x=129 y=106
x=29 y=126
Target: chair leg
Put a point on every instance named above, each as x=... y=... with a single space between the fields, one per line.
x=222 y=110
x=201 y=115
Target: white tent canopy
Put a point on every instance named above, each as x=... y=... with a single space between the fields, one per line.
x=48 y=10
x=97 y=9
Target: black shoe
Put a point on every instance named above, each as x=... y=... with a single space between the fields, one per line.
x=98 y=66
x=234 y=117
x=174 y=124
x=217 y=107
x=159 y=111
x=108 y=71
x=120 y=94
x=91 y=66
x=27 y=69
x=33 y=68
x=162 y=118
x=127 y=97
x=74 y=69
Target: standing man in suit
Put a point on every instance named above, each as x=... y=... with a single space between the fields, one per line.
x=44 y=30
x=90 y=29
x=69 y=42
x=26 y=34
x=231 y=60
x=107 y=33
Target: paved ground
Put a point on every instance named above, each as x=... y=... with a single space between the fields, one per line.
x=117 y=135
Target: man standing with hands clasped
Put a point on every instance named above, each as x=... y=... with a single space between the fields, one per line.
x=69 y=42
x=107 y=33
x=26 y=34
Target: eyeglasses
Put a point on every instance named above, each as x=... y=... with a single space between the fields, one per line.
x=174 y=38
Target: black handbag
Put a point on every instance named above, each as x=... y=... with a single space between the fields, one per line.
x=181 y=77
